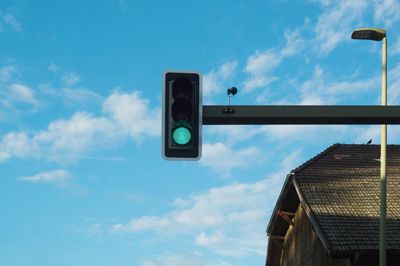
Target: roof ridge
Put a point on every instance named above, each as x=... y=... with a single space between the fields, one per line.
x=317 y=157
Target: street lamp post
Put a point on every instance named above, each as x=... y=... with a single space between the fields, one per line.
x=380 y=35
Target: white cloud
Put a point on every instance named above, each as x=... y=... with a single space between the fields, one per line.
x=65 y=139
x=214 y=81
x=132 y=114
x=223 y=159
x=142 y=224
x=22 y=93
x=339 y=18
x=319 y=90
x=54 y=176
x=228 y=220
x=216 y=209
x=11 y=21
x=393 y=93
x=386 y=11
x=295 y=43
x=70 y=78
x=17 y=144
x=125 y=115
x=394 y=50
x=260 y=64
x=337 y=22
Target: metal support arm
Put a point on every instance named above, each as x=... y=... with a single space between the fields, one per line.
x=301 y=115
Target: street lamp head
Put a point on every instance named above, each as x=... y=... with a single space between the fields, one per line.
x=373 y=34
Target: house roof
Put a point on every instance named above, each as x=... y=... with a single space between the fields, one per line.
x=340 y=192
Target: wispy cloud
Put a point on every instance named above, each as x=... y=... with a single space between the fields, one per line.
x=23 y=94
x=54 y=176
x=321 y=90
x=336 y=23
x=223 y=159
x=215 y=81
x=12 y=22
x=70 y=78
x=261 y=64
x=228 y=220
x=393 y=86
x=53 y=67
x=71 y=95
x=386 y=11
x=80 y=95
x=220 y=209
x=15 y=96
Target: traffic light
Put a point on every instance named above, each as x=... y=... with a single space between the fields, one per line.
x=182 y=116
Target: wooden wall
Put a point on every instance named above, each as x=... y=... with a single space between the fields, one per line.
x=303 y=247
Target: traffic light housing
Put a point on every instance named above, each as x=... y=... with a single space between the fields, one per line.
x=182 y=116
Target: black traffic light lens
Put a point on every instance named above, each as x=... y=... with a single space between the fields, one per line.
x=182 y=91
x=182 y=88
x=182 y=110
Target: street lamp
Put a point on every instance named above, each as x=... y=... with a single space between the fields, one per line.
x=379 y=35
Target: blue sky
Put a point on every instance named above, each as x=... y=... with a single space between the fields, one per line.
x=82 y=178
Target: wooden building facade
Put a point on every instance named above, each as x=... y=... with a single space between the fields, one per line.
x=328 y=210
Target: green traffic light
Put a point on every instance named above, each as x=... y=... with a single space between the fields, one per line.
x=181 y=135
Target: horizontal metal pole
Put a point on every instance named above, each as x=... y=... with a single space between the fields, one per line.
x=300 y=115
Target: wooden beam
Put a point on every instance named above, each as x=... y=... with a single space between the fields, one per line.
x=286 y=213
x=287 y=216
x=276 y=239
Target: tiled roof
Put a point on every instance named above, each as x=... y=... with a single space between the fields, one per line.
x=341 y=188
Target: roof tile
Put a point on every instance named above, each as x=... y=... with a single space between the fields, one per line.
x=342 y=188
